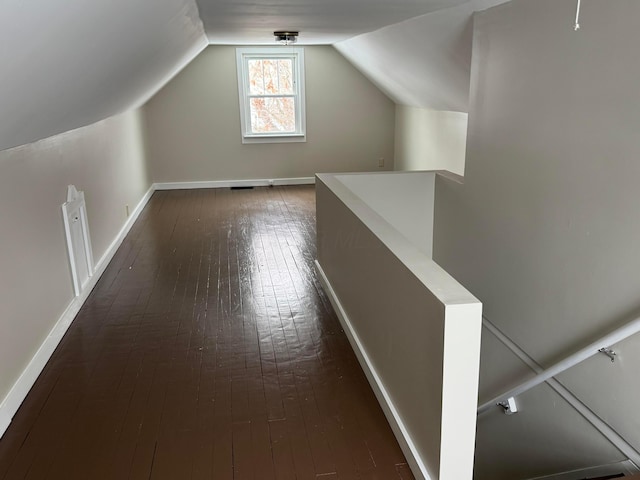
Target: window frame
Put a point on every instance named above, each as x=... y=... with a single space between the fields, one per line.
x=296 y=55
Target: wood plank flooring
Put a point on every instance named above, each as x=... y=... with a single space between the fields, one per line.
x=206 y=351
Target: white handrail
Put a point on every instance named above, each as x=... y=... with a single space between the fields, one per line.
x=581 y=355
x=604 y=428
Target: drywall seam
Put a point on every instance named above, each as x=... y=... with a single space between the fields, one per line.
x=401 y=433
x=235 y=183
x=29 y=375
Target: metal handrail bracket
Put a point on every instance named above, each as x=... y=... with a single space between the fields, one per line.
x=601 y=345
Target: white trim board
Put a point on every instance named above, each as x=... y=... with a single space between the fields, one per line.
x=11 y=403
x=401 y=433
x=262 y=182
x=22 y=386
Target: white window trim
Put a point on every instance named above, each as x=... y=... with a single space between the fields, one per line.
x=242 y=57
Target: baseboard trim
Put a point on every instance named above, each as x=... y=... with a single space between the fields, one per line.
x=23 y=385
x=261 y=182
x=11 y=403
x=627 y=467
x=101 y=266
x=401 y=433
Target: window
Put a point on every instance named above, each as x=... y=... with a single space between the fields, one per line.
x=271 y=90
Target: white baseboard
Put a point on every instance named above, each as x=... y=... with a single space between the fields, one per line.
x=264 y=182
x=5 y=421
x=627 y=467
x=11 y=403
x=101 y=266
x=401 y=433
x=21 y=387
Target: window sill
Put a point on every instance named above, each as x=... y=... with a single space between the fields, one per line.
x=290 y=138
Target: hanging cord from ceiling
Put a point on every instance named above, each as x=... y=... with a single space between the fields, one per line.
x=576 y=27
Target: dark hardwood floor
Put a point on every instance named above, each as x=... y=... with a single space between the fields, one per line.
x=206 y=351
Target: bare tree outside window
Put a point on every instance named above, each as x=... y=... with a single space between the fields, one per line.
x=271 y=94
x=272 y=101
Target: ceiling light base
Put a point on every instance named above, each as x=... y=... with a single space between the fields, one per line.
x=286 y=38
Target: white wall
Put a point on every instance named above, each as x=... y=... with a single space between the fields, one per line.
x=414 y=328
x=106 y=160
x=69 y=65
x=545 y=228
x=430 y=140
x=405 y=200
x=423 y=62
x=194 y=123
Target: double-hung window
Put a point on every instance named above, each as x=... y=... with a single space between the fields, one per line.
x=271 y=91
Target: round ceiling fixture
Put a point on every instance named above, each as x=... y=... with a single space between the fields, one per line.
x=286 y=38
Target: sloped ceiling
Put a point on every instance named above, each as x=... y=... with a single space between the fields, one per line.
x=318 y=21
x=71 y=63
x=422 y=62
x=64 y=65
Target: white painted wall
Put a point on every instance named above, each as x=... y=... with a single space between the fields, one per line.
x=423 y=62
x=105 y=160
x=67 y=65
x=545 y=228
x=194 y=123
x=430 y=140
x=415 y=329
x=405 y=200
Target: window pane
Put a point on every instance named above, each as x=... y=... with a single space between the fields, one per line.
x=256 y=77
x=271 y=77
x=285 y=75
x=271 y=92
x=271 y=86
x=273 y=115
